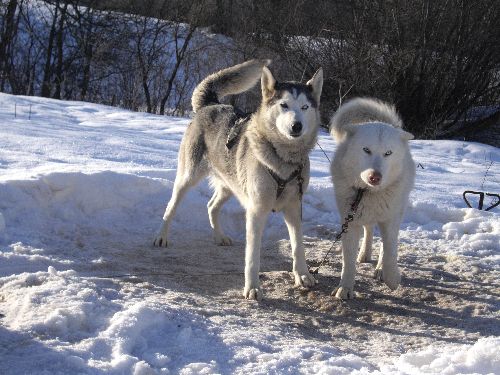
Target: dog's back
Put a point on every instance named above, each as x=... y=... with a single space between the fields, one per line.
x=214 y=120
x=213 y=123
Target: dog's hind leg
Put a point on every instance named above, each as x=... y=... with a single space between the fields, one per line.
x=221 y=196
x=365 y=252
x=294 y=225
x=191 y=168
x=181 y=186
x=387 y=268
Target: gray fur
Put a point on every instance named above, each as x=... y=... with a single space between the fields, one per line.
x=233 y=80
x=265 y=142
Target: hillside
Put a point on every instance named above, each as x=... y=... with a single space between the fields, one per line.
x=82 y=291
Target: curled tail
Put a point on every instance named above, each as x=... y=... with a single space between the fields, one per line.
x=233 y=80
x=362 y=110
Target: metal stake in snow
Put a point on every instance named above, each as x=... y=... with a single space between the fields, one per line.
x=481 y=199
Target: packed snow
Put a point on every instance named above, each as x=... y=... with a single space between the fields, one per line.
x=82 y=291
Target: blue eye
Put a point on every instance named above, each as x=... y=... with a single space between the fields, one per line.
x=284 y=105
x=305 y=107
x=367 y=150
x=388 y=153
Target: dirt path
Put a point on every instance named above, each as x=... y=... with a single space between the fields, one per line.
x=441 y=300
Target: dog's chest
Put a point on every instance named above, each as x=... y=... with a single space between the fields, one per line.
x=376 y=208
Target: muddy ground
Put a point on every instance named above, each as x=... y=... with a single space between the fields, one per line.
x=442 y=298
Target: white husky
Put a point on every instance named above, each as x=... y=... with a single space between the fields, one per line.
x=372 y=154
x=262 y=159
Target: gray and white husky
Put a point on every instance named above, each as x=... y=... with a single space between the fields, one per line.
x=263 y=160
x=372 y=154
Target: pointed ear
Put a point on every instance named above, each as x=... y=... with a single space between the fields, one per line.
x=267 y=83
x=406 y=136
x=316 y=83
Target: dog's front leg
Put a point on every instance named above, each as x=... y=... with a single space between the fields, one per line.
x=255 y=221
x=387 y=267
x=294 y=224
x=350 y=243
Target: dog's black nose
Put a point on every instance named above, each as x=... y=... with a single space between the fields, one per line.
x=296 y=127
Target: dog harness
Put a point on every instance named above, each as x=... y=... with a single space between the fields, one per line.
x=297 y=174
x=235 y=130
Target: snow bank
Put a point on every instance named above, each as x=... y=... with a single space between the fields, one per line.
x=477 y=233
x=55 y=304
x=149 y=337
x=102 y=331
x=483 y=357
x=134 y=337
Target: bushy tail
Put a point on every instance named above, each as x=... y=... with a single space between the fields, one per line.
x=362 y=110
x=233 y=80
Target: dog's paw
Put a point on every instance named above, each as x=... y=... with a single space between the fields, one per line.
x=364 y=257
x=160 y=241
x=223 y=241
x=390 y=276
x=343 y=292
x=305 y=280
x=253 y=294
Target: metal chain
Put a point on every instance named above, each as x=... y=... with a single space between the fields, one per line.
x=350 y=217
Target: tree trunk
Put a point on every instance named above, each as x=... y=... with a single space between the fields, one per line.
x=144 y=76
x=88 y=53
x=179 y=58
x=7 y=36
x=60 y=52
x=47 y=71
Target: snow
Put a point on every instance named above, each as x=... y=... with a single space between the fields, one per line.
x=82 y=191
x=481 y=358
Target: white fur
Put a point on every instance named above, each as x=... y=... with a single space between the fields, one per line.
x=359 y=126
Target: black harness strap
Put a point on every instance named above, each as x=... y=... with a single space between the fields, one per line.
x=282 y=183
x=235 y=130
x=233 y=138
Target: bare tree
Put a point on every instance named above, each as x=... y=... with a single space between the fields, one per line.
x=434 y=59
x=181 y=45
x=60 y=50
x=85 y=30
x=8 y=31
